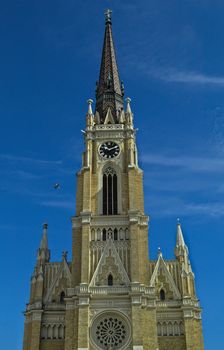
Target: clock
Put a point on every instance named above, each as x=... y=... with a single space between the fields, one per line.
x=109 y=150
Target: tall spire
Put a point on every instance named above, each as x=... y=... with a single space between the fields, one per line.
x=109 y=90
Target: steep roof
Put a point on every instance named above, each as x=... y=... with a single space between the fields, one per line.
x=109 y=91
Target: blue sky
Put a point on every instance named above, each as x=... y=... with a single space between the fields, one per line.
x=170 y=56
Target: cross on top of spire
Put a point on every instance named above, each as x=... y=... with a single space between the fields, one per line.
x=108 y=13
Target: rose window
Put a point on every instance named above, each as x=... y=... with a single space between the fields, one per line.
x=110 y=332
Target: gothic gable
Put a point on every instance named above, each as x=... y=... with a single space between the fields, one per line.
x=110 y=264
x=109 y=117
x=162 y=280
x=61 y=281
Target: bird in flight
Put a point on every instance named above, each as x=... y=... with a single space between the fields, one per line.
x=57 y=186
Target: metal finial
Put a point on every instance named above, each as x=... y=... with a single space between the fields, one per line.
x=108 y=13
x=178 y=221
x=45 y=226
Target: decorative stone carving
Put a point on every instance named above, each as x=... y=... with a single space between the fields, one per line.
x=110 y=331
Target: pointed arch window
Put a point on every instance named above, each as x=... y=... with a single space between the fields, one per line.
x=109 y=192
x=162 y=295
x=104 y=234
x=62 y=297
x=110 y=280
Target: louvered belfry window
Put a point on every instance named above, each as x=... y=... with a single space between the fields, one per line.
x=109 y=192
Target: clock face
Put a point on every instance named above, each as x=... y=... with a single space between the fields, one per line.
x=109 y=150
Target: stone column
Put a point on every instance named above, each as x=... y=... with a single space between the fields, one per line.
x=193 y=334
x=83 y=327
x=150 y=339
x=137 y=326
x=27 y=333
x=85 y=248
x=35 y=330
x=71 y=325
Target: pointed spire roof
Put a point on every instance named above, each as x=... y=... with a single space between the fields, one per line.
x=109 y=91
x=181 y=246
x=180 y=237
x=89 y=101
x=44 y=242
x=43 y=253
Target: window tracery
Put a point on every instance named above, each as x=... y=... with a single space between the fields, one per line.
x=52 y=331
x=170 y=328
x=110 y=192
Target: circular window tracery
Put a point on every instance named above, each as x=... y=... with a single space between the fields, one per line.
x=110 y=331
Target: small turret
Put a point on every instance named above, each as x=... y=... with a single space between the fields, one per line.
x=43 y=253
x=181 y=250
x=182 y=255
x=129 y=114
x=89 y=115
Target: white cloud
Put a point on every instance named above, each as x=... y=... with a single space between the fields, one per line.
x=192 y=78
x=163 y=206
x=185 y=77
x=193 y=164
x=64 y=204
x=14 y=158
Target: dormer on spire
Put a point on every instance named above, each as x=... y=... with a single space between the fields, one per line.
x=109 y=90
x=43 y=253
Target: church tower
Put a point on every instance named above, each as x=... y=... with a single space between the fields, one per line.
x=111 y=295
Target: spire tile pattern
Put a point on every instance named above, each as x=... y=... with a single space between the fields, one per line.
x=109 y=92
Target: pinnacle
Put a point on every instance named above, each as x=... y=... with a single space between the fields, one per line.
x=90 y=101
x=180 y=238
x=44 y=242
x=128 y=100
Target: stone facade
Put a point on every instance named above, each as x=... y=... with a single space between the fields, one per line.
x=111 y=295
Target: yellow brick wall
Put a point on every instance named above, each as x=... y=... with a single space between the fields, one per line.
x=193 y=332
x=172 y=343
x=27 y=335
x=52 y=344
x=76 y=255
x=83 y=327
x=150 y=340
x=71 y=329
x=35 y=335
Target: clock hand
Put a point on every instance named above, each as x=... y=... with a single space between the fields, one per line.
x=113 y=147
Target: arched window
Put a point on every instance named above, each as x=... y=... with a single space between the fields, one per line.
x=110 y=280
x=162 y=295
x=115 y=234
x=98 y=234
x=109 y=192
x=104 y=234
x=62 y=297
